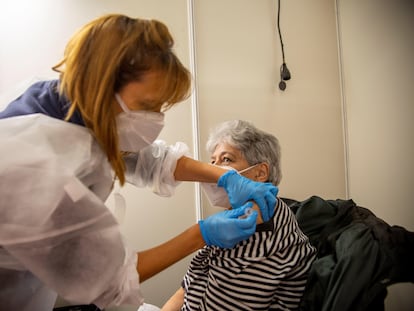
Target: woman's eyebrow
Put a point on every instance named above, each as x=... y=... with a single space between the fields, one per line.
x=228 y=153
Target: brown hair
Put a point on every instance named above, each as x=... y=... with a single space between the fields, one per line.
x=105 y=55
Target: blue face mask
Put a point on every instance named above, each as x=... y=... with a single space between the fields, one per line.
x=217 y=196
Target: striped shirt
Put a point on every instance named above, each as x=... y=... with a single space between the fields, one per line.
x=266 y=272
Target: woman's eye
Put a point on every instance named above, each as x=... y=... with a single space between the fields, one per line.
x=226 y=160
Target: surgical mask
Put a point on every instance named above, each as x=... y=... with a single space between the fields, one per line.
x=137 y=129
x=216 y=195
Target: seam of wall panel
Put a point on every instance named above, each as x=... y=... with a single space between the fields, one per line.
x=343 y=99
x=194 y=101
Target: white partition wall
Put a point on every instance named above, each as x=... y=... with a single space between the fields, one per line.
x=238 y=61
x=377 y=47
x=378 y=73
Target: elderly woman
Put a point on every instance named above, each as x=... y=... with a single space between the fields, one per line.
x=270 y=269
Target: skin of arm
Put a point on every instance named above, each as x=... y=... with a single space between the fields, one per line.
x=259 y=216
x=156 y=259
x=175 y=302
x=192 y=170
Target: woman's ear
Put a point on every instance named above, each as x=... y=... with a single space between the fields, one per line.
x=262 y=172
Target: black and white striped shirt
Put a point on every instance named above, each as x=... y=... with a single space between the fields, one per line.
x=266 y=272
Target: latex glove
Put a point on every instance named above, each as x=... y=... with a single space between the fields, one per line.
x=241 y=189
x=226 y=229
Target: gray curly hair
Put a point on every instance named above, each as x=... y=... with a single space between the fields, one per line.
x=254 y=144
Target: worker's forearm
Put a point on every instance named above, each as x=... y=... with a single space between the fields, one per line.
x=192 y=170
x=175 y=302
x=154 y=260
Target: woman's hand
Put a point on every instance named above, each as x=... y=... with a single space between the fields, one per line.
x=227 y=228
x=241 y=189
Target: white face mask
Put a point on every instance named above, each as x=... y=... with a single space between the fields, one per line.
x=137 y=129
x=217 y=196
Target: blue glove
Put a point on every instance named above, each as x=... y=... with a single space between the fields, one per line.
x=226 y=229
x=241 y=189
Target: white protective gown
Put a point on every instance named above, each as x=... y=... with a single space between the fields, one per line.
x=56 y=234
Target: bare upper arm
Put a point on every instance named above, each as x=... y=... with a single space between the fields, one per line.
x=175 y=302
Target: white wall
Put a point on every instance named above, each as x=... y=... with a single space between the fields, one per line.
x=238 y=61
x=377 y=52
x=239 y=80
x=377 y=45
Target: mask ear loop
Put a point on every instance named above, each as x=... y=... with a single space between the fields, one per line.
x=248 y=168
x=122 y=103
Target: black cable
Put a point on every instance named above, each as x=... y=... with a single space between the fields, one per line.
x=278 y=28
x=284 y=71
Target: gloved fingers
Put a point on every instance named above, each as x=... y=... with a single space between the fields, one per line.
x=273 y=189
x=249 y=223
x=271 y=203
x=246 y=225
x=227 y=228
x=264 y=208
x=236 y=212
x=204 y=232
x=222 y=181
x=266 y=200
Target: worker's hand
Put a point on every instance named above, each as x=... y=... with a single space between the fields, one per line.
x=241 y=189
x=226 y=229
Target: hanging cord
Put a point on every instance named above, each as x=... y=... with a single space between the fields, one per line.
x=284 y=71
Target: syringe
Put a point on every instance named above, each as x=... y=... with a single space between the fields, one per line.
x=247 y=213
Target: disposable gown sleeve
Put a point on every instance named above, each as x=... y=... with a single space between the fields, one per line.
x=51 y=222
x=154 y=166
x=84 y=258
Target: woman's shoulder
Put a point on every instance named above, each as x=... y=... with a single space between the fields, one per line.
x=38 y=97
x=36 y=137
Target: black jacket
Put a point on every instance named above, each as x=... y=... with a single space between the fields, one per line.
x=359 y=255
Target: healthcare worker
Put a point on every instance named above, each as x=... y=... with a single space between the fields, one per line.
x=63 y=142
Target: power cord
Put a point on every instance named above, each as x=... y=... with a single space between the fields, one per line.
x=284 y=71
